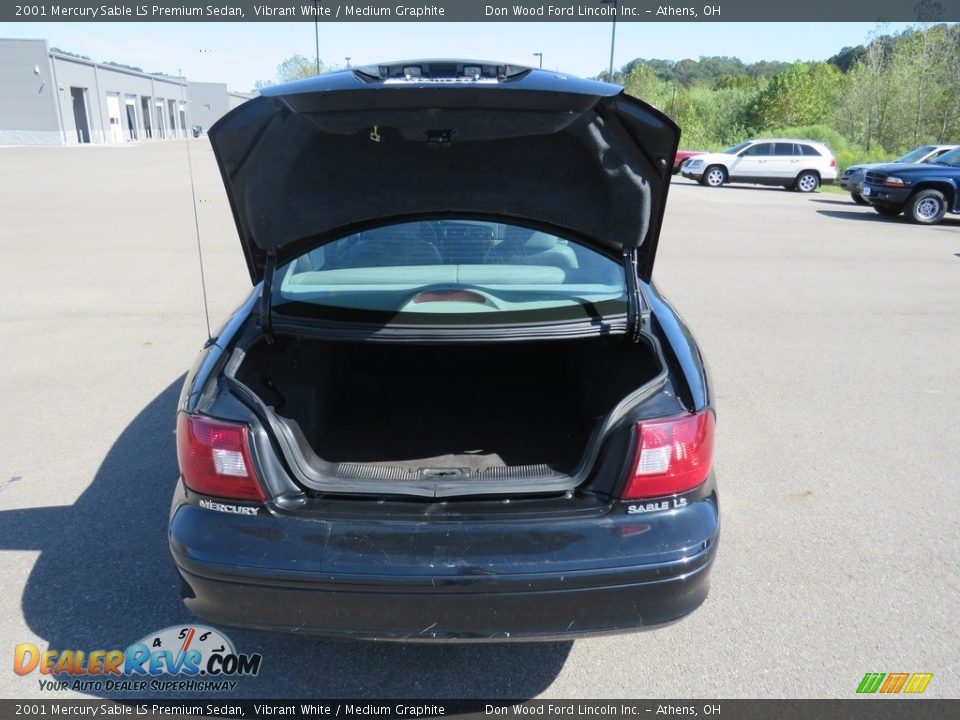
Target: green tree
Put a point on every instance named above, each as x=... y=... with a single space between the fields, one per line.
x=945 y=103
x=735 y=81
x=298 y=67
x=908 y=73
x=864 y=105
x=123 y=66
x=71 y=54
x=870 y=102
x=709 y=70
x=766 y=69
x=848 y=57
x=642 y=82
x=804 y=94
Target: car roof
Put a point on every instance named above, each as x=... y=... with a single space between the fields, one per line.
x=791 y=140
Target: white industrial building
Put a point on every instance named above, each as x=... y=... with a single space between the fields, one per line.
x=51 y=98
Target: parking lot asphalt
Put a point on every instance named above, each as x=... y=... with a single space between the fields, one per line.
x=832 y=335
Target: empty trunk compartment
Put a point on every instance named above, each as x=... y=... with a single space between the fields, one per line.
x=395 y=411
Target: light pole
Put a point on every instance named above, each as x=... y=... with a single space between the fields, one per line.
x=539 y=55
x=613 y=35
x=316 y=32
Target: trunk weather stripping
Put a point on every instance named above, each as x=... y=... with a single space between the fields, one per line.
x=637 y=314
x=367 y=332
x=266 y=297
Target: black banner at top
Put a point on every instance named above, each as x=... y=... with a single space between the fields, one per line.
x=484 y=11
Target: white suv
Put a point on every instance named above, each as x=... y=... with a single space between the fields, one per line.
x=798 y=164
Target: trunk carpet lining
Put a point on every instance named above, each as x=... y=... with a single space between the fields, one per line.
x=414 y=427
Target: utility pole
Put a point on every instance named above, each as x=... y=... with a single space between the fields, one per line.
x=316 y=32
x=613 y=35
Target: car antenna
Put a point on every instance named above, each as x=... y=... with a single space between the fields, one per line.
x=196 y=218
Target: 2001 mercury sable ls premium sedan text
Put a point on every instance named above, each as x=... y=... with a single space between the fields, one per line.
x=453 y=406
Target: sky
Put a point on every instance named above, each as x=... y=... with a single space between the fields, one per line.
x=239 y=54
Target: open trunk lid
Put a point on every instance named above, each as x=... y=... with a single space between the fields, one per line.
x=315 y=159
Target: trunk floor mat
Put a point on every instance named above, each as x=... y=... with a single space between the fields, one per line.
x=444 y=430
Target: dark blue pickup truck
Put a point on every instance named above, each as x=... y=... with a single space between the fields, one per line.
x=925 y=192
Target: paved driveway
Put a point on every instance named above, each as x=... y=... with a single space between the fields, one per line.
x=833 y=337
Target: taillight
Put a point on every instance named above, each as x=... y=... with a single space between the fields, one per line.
x=672 y=456
x=214 y=458
x=833 y=162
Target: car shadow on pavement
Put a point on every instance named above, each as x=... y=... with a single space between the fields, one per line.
x=947 y=224
x=733 y=186
x=104 y=579
x=751 y=188
x=853 y=215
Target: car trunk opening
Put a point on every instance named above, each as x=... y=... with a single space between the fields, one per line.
x=440 y=420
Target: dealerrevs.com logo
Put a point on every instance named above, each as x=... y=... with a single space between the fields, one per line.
x=192 y=658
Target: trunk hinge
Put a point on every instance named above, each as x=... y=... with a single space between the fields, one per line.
x=266 y=297
x=638 y=316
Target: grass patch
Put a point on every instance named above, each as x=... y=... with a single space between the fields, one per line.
x=834 y=189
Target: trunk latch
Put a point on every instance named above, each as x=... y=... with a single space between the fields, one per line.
x=444 y=473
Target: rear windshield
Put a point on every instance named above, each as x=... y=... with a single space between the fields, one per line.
x=490 y=271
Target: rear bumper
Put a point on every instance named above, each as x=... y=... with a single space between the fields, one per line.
x=469 y=581
x=483 y=614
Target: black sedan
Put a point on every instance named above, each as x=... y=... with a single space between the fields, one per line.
x=454 y=406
